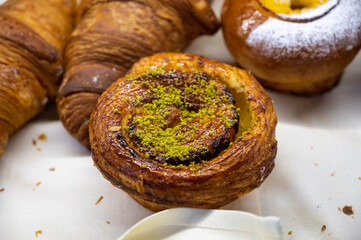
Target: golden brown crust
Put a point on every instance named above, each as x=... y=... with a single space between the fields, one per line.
x=4 y=135
x=239 y=169
x=75 y=109
x=40 y=30
x=32 y=38
x=21 y=97
x=112 y=35
x=309 y=66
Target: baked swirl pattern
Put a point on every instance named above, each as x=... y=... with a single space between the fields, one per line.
x=182 y=130
x=112 y=35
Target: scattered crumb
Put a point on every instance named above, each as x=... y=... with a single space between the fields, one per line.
x=38 y=149
x=34 y=142
x=359 y=178
x=108 y=222
x=37 y=184
x=333 y=173
x=347 y=210
x=43 y=137
x=52 y=169
x=101 y=198
x=290 y=233
x=316 y=164
x=311 y=148
x=38 y=232
x=353 y=216
x=323 y=228
x=2 y=189
x=340 y=209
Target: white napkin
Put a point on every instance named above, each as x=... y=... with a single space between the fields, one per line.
x=188 y=223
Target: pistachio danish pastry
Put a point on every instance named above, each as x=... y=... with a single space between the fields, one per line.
x=184 y=131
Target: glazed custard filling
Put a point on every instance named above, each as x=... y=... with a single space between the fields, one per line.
x=175 y=118
x=291 y=6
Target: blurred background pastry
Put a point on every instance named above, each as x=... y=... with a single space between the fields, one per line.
x=297 y=46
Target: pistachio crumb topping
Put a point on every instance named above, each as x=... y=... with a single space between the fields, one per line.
x=173 y=120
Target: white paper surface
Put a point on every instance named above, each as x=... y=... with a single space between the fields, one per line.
x=318 y=170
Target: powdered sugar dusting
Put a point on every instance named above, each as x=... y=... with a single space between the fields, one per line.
x=335 y=32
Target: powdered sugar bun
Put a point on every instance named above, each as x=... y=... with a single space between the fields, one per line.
x=301 y=53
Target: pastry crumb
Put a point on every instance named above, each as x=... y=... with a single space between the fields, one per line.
x=316 y=164
x=37 y=184
x=339 y=209
x=43 y=137
x=101 y=198
x=34 y=142
x=2 y=189
x=108 y=222
x=38 y=149
x=347 y=210
x=290 y=233
x=38 y=232
x=52 y=169
x=323 y=228
x=359 y=178
x=311 y=148
x=333 y=173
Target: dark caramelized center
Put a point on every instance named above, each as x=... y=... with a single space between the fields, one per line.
x=179 y=118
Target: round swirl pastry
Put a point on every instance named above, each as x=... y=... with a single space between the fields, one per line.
x=298 y=46
x=181 y=130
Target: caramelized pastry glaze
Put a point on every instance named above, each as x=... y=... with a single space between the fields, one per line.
x=183 y=130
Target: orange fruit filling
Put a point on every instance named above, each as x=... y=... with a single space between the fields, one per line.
x=291 y=6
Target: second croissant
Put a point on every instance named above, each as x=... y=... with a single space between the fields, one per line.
x=112 y=35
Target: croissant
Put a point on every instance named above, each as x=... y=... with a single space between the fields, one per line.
x=32 y=39
x=112 y=35
x=184 y=131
